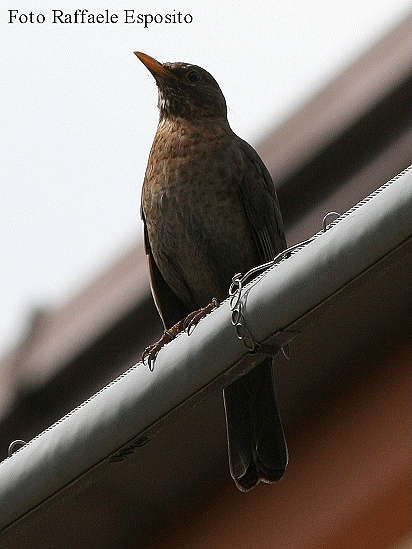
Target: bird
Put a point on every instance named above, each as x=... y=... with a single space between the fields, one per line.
x=210 y=210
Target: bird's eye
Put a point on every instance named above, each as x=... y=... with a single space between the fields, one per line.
x=193 y=76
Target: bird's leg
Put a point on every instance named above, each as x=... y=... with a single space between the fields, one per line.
x=187 y=324
x=191 y=321
x=150 y=353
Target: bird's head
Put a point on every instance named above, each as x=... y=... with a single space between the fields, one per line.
x=185 y=90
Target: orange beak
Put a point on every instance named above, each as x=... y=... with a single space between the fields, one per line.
x=156 y=68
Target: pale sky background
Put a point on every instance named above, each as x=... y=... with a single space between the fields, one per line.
x=78 y=115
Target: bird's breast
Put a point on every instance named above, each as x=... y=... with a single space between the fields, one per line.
x=195 y=220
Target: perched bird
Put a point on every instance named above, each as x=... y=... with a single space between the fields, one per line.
x=210 y=210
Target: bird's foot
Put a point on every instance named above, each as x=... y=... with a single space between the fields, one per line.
x=192 y=320
x=187 y=324
x=150 y=353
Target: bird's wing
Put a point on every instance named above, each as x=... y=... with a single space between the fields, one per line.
x=259 y=199
x=257 y=447
x=170 y=308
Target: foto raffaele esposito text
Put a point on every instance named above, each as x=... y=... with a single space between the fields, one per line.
x=87 y=17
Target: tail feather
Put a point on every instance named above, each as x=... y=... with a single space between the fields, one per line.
x=257 y=447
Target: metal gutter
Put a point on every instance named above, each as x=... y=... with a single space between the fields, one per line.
x=125 y=414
